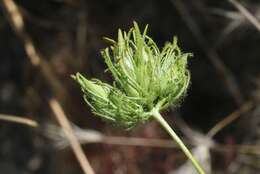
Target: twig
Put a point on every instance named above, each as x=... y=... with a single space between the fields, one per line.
x=19 y=120
x=246 y=13
x=132 y=141
x=63 y=121
x=224 y=72
x=17 y=22
x=114 y=140
x=239 y=148
x=145 y=142
x=230 y=118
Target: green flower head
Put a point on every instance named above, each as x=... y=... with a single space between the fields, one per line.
x=146 y=78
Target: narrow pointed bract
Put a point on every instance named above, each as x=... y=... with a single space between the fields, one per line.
x=145 y=78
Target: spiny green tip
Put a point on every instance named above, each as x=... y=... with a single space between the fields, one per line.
x=145 y=78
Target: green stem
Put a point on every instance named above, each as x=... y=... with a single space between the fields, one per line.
x=175 y=137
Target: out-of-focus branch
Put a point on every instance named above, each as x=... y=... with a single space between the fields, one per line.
x=64 y=122
x=19 y=120
x=253 y=20
x=17 y=22
x=223 y=71
x=246 y=107
x=86 y=136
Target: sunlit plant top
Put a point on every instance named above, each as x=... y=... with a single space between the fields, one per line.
x=146 y=78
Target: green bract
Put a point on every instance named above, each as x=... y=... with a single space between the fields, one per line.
x=145 y=79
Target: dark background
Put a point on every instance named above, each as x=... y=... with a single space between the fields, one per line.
x=68 y=35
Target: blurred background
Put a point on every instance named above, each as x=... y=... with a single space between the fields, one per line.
x=43 y=42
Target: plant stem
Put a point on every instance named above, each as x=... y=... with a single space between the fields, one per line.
x=175 y=137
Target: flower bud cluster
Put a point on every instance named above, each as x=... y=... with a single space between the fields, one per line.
x=145 y=78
